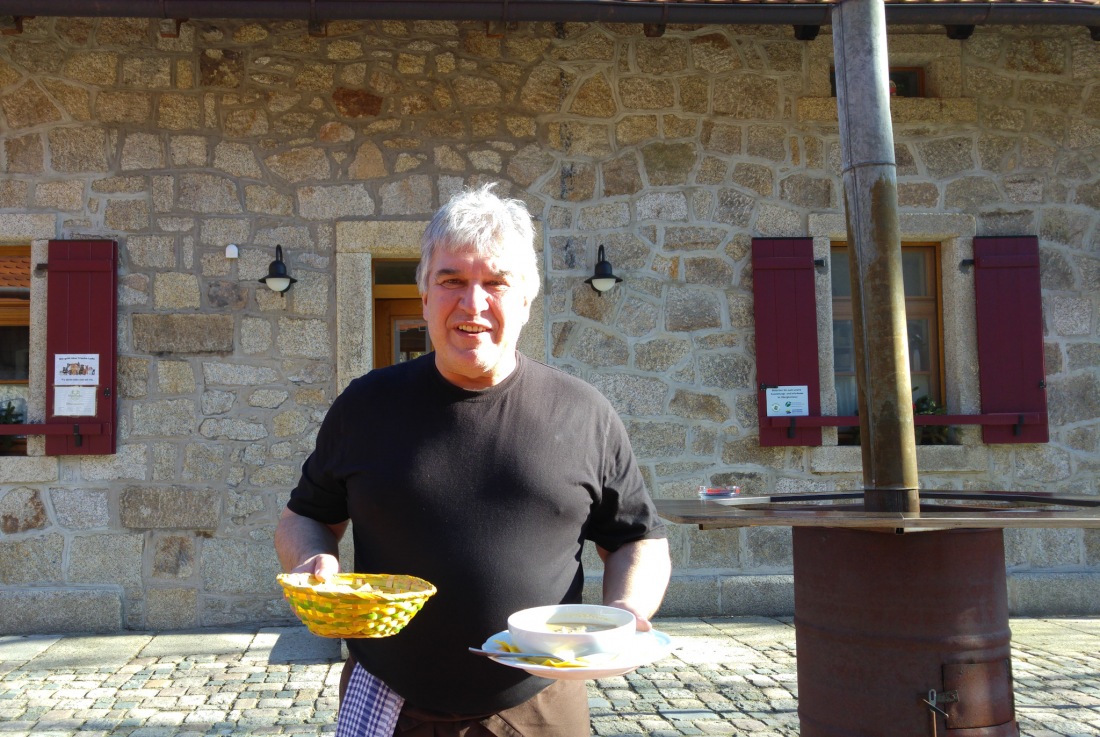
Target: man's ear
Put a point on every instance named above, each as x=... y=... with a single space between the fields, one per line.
x=527 y=302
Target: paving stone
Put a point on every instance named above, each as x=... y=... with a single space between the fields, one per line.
x=283 y=680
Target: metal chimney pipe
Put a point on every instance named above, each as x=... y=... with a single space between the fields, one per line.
x=869 y=174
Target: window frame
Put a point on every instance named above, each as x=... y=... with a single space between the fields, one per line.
x=15 y=311
x=928 y=307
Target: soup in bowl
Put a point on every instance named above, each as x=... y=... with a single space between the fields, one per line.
x=572 y=630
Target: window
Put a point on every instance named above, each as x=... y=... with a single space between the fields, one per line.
x=904 y=81
x=1008 y=352
x=15 y=283
x=920 y=275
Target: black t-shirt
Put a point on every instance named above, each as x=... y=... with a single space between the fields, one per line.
x=489 y=495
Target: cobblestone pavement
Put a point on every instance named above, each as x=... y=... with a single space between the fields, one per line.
x=728 y=676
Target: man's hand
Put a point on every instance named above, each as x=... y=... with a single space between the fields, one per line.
x=305 y=545
x=322 y=566
x=643 y=622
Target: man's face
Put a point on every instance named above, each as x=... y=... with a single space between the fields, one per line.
x=475 y=308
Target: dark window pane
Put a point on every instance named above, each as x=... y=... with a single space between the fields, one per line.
x=914 y=273
x=14 y=353
x=904 y=82
x=395 y=272
x=844 y=347
x=907 y=82
x=838 y=272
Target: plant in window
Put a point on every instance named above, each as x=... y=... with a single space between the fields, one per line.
x=931 y=434
x=9 y=415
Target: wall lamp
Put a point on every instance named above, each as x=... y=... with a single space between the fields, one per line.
x=603 y=279
x=277 y=279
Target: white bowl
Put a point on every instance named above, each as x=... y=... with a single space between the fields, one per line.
x=572 y=630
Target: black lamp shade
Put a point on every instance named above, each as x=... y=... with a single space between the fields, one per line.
x=603 y=278
x=277 y=279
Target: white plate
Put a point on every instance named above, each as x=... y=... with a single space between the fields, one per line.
x=646 y=648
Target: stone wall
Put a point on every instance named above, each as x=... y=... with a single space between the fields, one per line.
x=673 y=152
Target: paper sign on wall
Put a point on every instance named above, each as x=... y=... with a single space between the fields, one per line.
x=788 y=401
x=74 y=401
x=76 y=369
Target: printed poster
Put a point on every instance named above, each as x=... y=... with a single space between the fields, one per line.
x=76 y=369
x=788 y=401
x=74 y=401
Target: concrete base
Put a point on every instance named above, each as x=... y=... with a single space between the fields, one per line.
x=30 y=611
x=33 y=611
x=1053 y=593
x=1030 y=594
x=718 y=595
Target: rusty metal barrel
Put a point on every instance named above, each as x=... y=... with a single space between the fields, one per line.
x=894 y=631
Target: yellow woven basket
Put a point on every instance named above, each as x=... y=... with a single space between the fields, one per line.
x=381 y=611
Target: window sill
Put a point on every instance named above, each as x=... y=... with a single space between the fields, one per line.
x=29 y=469
x=55 y=428
x=1016 y=419
x=848 y=459
x=903 y=110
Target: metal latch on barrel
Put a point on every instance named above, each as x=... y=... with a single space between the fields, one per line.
x=933 y=698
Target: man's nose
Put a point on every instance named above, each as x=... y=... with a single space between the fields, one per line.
x=475 y=298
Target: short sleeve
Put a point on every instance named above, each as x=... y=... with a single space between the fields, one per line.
x=624 y=512
x=321 y=493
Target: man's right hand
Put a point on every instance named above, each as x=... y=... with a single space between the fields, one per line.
x=322 y=566
x=305 y=545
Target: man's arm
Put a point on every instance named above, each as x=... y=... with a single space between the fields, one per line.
x=305 y=545
x=635 y=577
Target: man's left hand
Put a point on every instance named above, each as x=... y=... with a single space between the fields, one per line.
x=644 y=625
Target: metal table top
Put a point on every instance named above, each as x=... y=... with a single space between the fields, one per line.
x=940 y=510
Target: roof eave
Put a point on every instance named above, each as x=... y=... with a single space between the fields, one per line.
x=615 y=11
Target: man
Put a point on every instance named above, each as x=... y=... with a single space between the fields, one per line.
x=483 y=472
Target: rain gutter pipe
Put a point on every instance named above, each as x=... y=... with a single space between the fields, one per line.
x=612 y=11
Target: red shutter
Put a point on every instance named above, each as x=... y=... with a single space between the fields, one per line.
x=786 y=330
x=1010 y=335
x=81 y=320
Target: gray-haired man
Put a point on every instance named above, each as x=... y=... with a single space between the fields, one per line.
x=483 y=472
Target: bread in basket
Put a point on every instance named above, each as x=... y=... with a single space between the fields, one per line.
x=355 y=604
